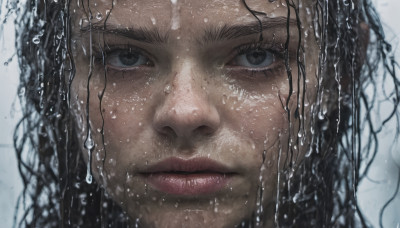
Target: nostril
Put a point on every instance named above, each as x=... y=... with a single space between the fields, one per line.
x=204 y=130
x=167 y=130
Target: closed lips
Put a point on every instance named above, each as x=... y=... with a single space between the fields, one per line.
x=196 y=176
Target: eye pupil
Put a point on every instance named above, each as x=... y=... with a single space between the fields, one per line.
x=256 y=57
x=128 y=58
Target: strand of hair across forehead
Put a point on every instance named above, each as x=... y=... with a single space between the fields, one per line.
x=255 y=13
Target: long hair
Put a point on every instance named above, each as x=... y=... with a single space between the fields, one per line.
x=320 y=191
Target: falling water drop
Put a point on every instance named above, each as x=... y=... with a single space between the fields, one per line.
x=36 y=40
x=89 y=145
x=89 y=177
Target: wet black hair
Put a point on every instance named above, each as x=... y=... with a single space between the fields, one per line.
x=318 y=191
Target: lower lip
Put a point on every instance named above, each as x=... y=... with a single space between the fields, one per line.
x=188 y=184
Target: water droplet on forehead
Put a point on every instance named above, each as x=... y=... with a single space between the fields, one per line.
x=99 y=16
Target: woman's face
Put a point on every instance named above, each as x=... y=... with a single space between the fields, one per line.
x=193 y=104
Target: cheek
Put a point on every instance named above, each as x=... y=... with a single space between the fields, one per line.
x=259 y=118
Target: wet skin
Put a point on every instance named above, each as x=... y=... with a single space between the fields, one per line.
x=188 y=84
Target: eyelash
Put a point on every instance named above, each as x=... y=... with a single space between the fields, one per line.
x=278 y=51
x=243 y=49
x=274 y=48
x=99 y=54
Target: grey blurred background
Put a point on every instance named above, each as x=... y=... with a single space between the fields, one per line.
x=373 y=193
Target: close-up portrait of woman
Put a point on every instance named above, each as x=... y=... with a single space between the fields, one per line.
x=201 y=113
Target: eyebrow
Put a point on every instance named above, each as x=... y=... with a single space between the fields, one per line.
x=211 y=33
x=229 y=32
x=142 y=34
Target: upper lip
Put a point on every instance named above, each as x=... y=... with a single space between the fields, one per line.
x=194 y=165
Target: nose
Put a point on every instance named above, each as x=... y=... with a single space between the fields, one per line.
x=186 y=110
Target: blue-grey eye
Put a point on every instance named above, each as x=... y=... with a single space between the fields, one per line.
x=256 y=59
x=126 y=59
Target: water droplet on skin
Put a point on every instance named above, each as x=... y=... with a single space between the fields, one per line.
x=153 y=20
x=112 y=162
x=99 y=16
x=205 y=20
x=224 y=98
x=98 y=156
x=167 y=89
x=175 y=20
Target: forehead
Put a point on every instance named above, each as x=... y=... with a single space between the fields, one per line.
x=178 y=14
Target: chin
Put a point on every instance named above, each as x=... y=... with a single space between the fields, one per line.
x=194 y=218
